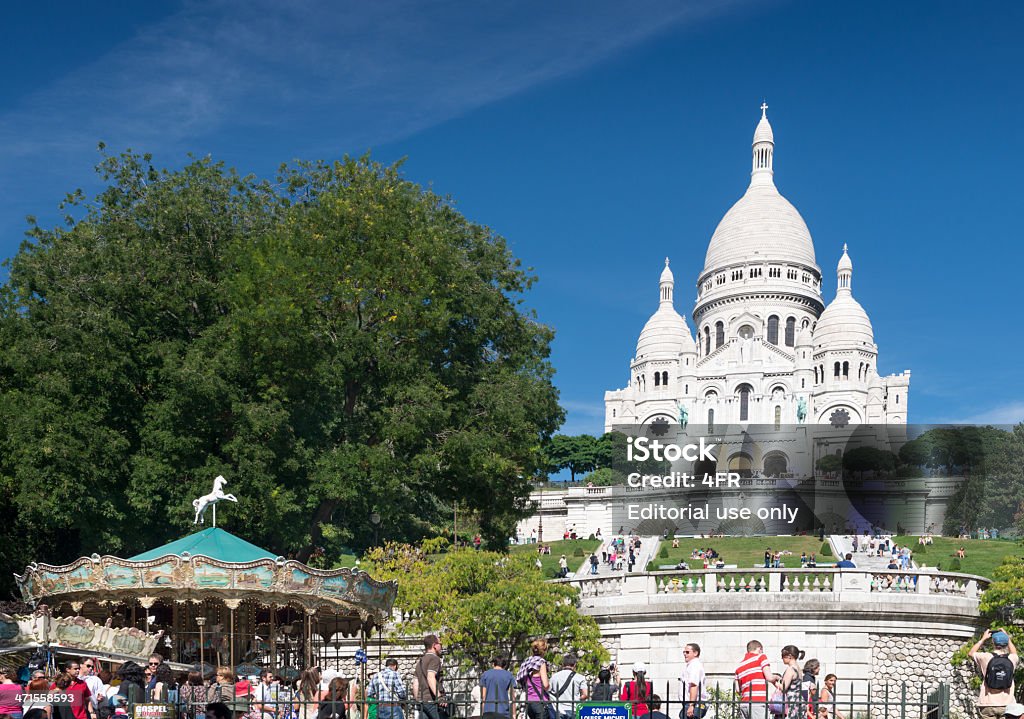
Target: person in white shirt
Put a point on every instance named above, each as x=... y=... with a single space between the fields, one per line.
x=693 y=683
x=568 y=688
x=89 y=675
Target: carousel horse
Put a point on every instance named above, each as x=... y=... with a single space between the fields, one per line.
x=213 y=497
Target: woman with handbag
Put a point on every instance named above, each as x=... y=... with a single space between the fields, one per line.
x=533 y=678
x=790 y=685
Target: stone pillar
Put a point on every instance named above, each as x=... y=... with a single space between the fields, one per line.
x=710 y=583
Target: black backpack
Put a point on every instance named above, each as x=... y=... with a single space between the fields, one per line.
x=999 y=673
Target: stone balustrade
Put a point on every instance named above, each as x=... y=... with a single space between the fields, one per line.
x=783 y=581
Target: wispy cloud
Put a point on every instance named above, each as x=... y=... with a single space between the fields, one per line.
x=352 y=74
x=1008 y=413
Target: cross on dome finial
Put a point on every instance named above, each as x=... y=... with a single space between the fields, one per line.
x=844 y=247
x=764 y=109
x=666 y=262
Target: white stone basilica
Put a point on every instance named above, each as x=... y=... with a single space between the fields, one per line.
x=767 y=351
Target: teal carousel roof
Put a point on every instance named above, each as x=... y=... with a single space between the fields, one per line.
x=212 y=565
x=214 y=543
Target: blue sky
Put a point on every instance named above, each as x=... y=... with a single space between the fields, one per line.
x=597 y=137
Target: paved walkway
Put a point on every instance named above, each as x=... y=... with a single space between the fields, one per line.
x=843 y=543
x=648 y=547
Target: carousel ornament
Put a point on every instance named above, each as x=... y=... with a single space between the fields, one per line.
x=217 y=495
x=361 y=657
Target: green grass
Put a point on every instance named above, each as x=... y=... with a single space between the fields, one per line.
x=549 y=562
x=345 y=560
x=982 y=555
x=744 y=552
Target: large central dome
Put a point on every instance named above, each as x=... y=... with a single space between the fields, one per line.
x=762 y=225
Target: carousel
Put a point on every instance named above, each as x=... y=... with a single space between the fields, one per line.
x=209 y=598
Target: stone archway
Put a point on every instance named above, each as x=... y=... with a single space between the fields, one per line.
x=776 y=464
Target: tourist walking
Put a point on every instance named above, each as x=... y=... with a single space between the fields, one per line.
x=996 y=668
x=81 y=706
x=133 y=687
x=10 y=694
x=429 y=675
x=827 y=699
x=193 y=695
x=532 y=677
x=638 y=691
x=497 y=691
x=790 y=684
x=753 y=676
x=334 y=704
x=567 y=688
x=307 y=694
x=388 y=689
x=604 y=690
x=809 y=687
x=593 y=563
x=693 y=687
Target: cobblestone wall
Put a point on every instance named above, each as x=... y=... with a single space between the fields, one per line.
x=923 y=663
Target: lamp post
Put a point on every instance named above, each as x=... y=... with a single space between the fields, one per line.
x=201 y=621
x=375 y=521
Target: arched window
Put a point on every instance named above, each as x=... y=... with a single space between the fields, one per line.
x=613 y=414
x=815 y=375
x=664 y=379
x=837 y=370
x=790 y=331
x=711 y=421
x=846 y=370
x=707 y=340
x=686 y=389
x=744 y=391
x=773 y=330
x=778 y=418
x=803 y=383
x=657 y=379
x=719 y=334
x=897 y=399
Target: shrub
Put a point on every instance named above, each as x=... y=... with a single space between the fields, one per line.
x=664 y=552
x=826 y=549
x=579 y=552
x=592 y=537
x=651 y=567
x=954 y=564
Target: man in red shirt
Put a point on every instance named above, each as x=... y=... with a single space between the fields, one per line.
x=81 y=704
x=753 y=677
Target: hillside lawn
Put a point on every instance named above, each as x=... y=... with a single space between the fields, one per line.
x=982 y=555
x=549 y=562
x=744 y=552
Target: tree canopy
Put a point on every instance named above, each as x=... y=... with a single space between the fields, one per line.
x=336 y=342
x=486 y=604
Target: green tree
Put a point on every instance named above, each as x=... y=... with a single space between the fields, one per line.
x=605 y=477
x=869 y=459
x=577 y=453
x=829 y=463
x=486 y=603
x=336 y=343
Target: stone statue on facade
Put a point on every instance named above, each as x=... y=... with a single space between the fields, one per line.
x=684 y=415
x=801 y=409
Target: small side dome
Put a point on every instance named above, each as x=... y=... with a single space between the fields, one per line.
x=665 y=335
x=804 y=337
x=844 y=323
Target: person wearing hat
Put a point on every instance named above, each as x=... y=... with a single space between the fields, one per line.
x=1013 y=711
x=997 y=668
x=568 y=688
x=638 y=691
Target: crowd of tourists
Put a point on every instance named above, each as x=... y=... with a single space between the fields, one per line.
x=796 y=688
x=82 y=689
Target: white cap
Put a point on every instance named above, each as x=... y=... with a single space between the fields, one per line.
x=1013 y=710
x=639 y=667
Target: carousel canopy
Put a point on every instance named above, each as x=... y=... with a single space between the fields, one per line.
x=211 y=565
x=214 y=543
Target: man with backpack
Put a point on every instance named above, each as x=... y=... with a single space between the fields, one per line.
x=997 y=668
x=568 y=689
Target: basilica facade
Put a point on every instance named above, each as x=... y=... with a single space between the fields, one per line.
x=766 y=349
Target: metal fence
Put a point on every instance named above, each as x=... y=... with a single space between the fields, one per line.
x=889 y=701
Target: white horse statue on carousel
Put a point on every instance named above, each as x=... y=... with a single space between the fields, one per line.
x=212 y=498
